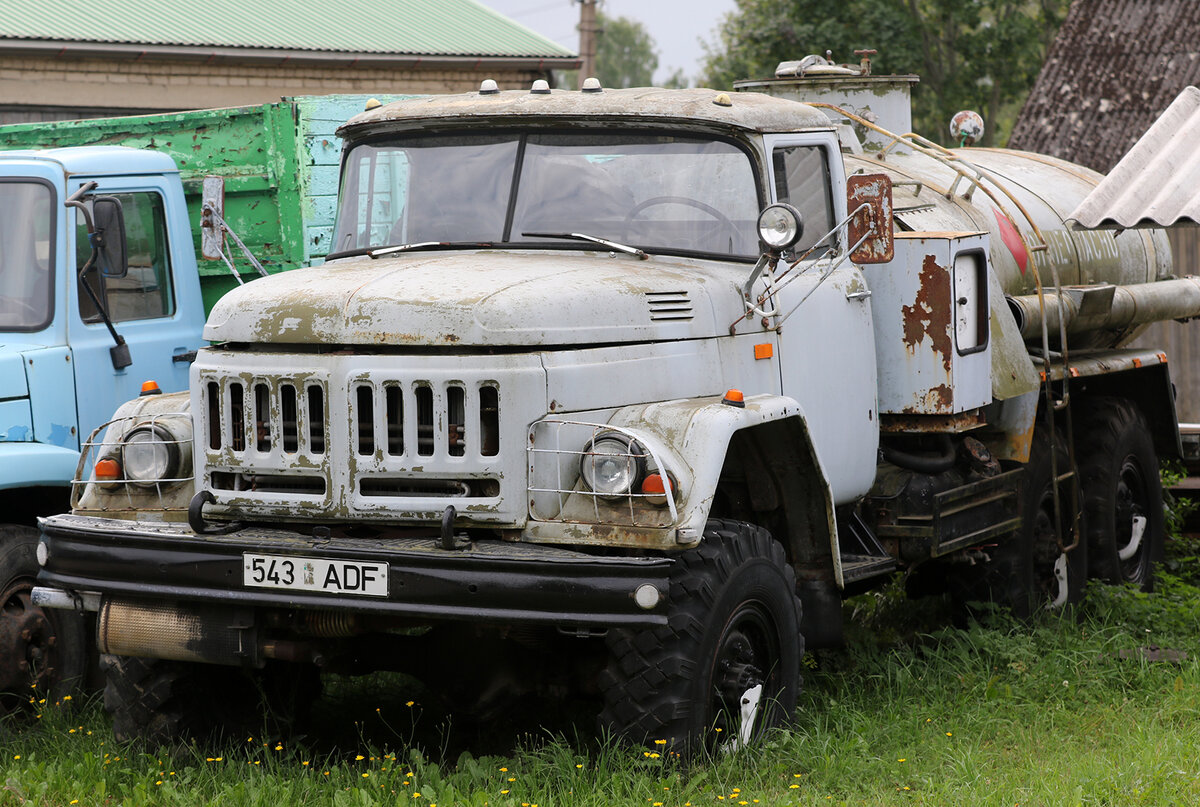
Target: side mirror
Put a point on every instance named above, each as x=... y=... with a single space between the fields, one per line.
x=109 y=236
x=869 y=202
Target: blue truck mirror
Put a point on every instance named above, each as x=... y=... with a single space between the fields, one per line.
x=109 y=236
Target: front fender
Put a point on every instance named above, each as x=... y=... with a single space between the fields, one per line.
x=698 y=433
x=27 y=465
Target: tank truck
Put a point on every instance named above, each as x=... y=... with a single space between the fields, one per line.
x=616 y=394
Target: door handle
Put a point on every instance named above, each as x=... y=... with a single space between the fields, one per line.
x=858 y=295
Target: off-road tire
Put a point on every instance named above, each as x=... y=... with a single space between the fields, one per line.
x=166 y=702
x=1019 y=574
x=163 y=702
x=42 y=650
x=1118 y=467
x=733 y=601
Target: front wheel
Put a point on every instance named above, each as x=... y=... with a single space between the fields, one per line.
x=42 y=650
x=727 y=666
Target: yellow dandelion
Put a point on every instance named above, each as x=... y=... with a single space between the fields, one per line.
x=902 y=759
x=366 y=775
x=159 y=782
x=326 y=773
x=503 y=792
x=220 y=758
x=504 y=770
x=580 y=765
x=66 y=697
x=359 y=758
x=73 y=801
x=512 y=778
x=654 y=756
x=949 y=733
x=70 y=731
x=18 y=756
x=305 y=763
x=660 y=742
x=417 y=795
x=658 y=804
x=279 y=747
x=410 y=703
x=793 y=787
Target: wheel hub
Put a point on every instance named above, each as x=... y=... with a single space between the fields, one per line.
x=26 y=644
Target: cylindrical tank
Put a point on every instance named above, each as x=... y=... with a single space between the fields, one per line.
x=1021 y=199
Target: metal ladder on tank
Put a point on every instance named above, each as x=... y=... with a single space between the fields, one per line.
x=974 y=176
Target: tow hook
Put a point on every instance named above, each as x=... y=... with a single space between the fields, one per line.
x=448 y=516
x=196 y=516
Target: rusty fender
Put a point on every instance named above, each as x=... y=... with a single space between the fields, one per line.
x=697 y=432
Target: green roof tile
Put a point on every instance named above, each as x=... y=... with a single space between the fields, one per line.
x=417 y=27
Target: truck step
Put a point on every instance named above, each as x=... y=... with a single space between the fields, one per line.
x=862 y=567
x=862 y=555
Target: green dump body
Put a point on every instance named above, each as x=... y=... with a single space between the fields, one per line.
x=279 y=162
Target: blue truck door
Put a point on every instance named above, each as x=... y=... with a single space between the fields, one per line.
x=146 y=306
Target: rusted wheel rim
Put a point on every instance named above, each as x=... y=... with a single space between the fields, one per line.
x=26 y=647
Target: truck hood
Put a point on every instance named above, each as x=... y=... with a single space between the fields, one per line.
x=485 y=298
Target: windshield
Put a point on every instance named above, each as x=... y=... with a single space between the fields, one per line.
x=659 y=192
x=26 y=227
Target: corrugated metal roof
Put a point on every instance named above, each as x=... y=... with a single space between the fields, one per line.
x=418 y=27
x=1157 y=183
x=1113 y=68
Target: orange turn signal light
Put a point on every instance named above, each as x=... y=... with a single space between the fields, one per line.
x=764 y=351
x=734 y=397
x=107 y=470
x=655 y=487
x=150 y=388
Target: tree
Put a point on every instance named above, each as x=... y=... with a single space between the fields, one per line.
x=625 y=53
x=981 y=54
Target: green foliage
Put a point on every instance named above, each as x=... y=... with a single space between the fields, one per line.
x=625 y=53
x=970 y=54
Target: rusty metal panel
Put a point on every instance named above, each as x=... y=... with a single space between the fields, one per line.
x=875 y=222
x=924 y=369
x=1157 y=183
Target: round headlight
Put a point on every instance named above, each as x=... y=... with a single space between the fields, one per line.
x=780 y=226
x=612 y=464
x=150 y=455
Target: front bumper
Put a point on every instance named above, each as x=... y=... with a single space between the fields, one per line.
x=490 y=581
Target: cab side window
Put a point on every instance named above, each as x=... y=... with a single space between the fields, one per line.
x=802 y=180
x=145 y=292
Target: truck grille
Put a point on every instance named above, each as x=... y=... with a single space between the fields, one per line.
x=362 y=438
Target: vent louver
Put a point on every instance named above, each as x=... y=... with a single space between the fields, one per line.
x=667 y=306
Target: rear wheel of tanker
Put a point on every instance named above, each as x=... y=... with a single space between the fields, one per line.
x=1122 y=493
x=726 y=667
x=43 y=651
x=1026 y=572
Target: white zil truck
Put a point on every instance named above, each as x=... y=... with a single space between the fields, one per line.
x=618 y=393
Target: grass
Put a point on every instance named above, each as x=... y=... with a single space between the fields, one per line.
x=1085 y=709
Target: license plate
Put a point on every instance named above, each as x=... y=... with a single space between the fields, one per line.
x=324 y=575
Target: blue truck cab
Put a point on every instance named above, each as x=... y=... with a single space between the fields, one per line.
x=57 y=380
x=60 y=377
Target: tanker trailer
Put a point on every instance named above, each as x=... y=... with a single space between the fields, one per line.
x=1062 y=399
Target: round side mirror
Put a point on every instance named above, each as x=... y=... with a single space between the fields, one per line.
x=780 y=226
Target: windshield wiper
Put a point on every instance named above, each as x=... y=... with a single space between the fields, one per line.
x=392 y=250
x=613 y=245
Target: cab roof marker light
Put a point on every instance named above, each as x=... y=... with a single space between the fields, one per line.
x=488 y=87
x=540 y=87
x=150 y=387
x=591 y=84
x=734 y=397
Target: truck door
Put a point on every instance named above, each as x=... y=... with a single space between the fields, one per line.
x=826 y=345
x=144 y=305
